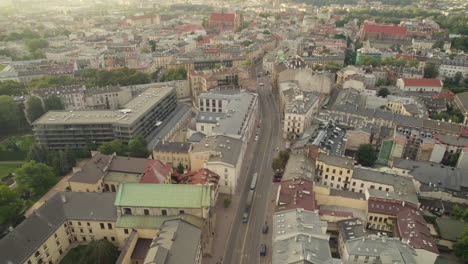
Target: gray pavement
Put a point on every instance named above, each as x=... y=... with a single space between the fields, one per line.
x=245 y=239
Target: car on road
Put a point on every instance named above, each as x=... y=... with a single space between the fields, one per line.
x=261 y=84
x=256 y=137
x=265 y=228
x=263 y=250
x=245 y=217
x=382 y=234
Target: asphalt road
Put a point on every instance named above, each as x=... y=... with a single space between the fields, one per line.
x=245 y=239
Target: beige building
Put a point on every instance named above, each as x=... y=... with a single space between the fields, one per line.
x=334 y=171
x=173 y=153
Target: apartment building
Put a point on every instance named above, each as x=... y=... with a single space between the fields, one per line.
x=104 y=173
x=299 y=107
x=227 y=113
x=222 y=155
x=71 y=96
x=419 y=85
x=141 y=116
x=174 y=153
x=334 y=171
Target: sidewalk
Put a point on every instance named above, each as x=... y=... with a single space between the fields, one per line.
x=59 y=187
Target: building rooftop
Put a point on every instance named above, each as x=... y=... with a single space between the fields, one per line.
x=384 y=29
x=176 y=242
x=296 y=100
x=24 y=240
x=337 y=161
x=133 y=110
x=422 y=82
x=299 y=166
x=169 y=146
x=201 y=176
x=413 y=228
x=224 y=149
x=299 y=236
x=352 y=228
x=390 y=250
x=163 y=195
x=154 y=222
x=296 y=193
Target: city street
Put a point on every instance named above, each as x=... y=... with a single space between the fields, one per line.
x=245 y=239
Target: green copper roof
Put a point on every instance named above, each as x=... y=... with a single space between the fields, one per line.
x=154 y=222
x=163 y=195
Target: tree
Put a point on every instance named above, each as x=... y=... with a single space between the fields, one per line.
x=153 y=45
x=35 y=177
x=199 y=38
x=36 y=44
x=246 y=62
x=138 y=147
x=10 y=204
x=366 y=155
x=11 y=117
x=438 y=44
x=431 y=71
x=51 y=81
x=145 y=50
x=461 y=246
x=38 y=153
x=227 y=201
x=180 y=168
x=180 y=73
x=350 y=57
x=34 y=108
x=99 y=251
x=266 y=32
x=11 y=88
x=53 y=102
x=276 y=164
x=109 y=148
x=246 y=43
x=383 y=92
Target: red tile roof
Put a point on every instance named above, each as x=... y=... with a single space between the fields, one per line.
x=405 y=56
x=156 y=171
x=412 y=228
x=422 y=82
x=384 y=29
x=295 y=194
x=448 y=95
x=222 y=17
x=201 y=176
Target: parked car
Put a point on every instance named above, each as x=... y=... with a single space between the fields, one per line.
x=437 y=213
x=256 y=137
x=263 y=250
x=265 y=228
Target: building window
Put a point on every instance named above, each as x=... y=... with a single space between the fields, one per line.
x=126 y=231
x=70 y=223
x=81 y=230
x=60 y=251
x=334 y=171
x=326 y=176
x=164 y=212
x=127 y=211
x=354 y=183
x=102 y=225
x=113 y=238
x=362 y=185
x=109 y=225
x=55 y=235
x=75 y=238
x=146 y=211
x=181 y=212
x=83 y=238
x=90 y=231
x=79 y=223
x=58 y=243
x=328 y=169
x=333 y=178
x=88 y=224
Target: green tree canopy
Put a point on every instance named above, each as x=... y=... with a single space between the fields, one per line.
x=38 y=153
x=383 y=92
x=36 y=44
x=100 y=251
x=34 y=108
x=180 y=73
x=115 y=145
x=180 y=168
x=11 y=88
x=53 y=102
x=35 y=177
x=431 y=70
x=246 y=43
x=10 y=204
x=51 y=81
x=138 y=147
x=9 y=109
x=461 y=246
x=366 y=155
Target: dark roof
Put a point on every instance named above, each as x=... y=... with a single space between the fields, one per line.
x=127 y=164
x=352 y=228
x=141 y=248
x=24 y=240
x=167 y=146
x=93 y=170
x=413 y=228
x=296 y=194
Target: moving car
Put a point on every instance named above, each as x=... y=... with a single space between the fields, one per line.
x=245 y=217
x=265 y=228
x=263 y=250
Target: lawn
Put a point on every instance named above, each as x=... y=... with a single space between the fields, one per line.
x=73 y=255
x=6 y=169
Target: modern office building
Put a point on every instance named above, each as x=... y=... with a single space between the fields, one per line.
x=74 y=129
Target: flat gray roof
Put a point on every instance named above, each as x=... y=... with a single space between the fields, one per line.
x=133 y=110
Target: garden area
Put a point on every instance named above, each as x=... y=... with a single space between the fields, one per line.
x=98 y=251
